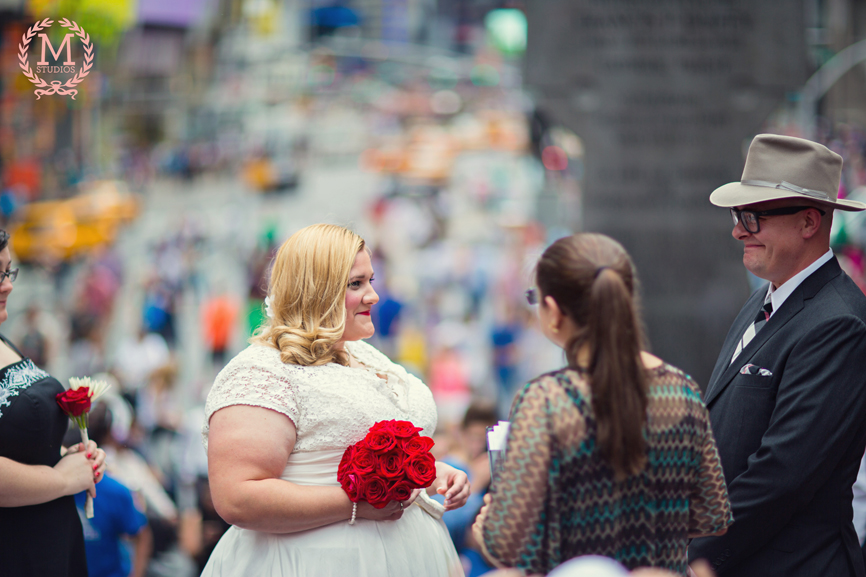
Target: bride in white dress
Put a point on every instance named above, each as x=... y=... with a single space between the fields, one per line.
x=281 y=414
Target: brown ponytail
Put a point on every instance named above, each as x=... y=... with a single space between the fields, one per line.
x=592 y=280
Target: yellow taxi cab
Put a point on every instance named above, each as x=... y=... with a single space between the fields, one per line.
x=48 y=231
x=424 y=154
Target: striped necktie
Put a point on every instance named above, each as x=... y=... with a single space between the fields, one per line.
x=760 y=320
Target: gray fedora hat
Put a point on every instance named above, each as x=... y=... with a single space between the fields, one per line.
x=787 y=167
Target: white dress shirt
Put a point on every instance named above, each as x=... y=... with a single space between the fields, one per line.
x=779 y=295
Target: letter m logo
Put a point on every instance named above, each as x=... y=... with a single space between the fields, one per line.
x=56 y=54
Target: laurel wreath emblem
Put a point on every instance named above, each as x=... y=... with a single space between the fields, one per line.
x=56 y=87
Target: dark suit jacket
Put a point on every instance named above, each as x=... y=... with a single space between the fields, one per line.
x=791 y=441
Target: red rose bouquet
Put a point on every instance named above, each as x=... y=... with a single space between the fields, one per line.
x=75 y=402
x=387 y=465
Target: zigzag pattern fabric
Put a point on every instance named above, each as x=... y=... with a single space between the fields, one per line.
x=554 y=497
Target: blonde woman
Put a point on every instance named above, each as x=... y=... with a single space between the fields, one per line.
x=281 y=414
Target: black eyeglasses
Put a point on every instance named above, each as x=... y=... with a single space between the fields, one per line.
x=750 y=218
x=10 y=274
x=532 y=296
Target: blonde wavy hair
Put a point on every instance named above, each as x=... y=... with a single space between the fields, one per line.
x=307 y=290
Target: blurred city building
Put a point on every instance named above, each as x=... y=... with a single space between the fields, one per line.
x=665 y=99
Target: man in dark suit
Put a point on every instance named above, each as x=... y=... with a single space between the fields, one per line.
x=787 y=397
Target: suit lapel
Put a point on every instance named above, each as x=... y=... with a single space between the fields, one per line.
x=725 y=370
x=743 y=320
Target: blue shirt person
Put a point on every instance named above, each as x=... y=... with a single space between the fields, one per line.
x=115 y=515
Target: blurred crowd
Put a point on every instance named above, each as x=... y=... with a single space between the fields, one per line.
x=446 y=311
x=152 y=441
x=452 y=229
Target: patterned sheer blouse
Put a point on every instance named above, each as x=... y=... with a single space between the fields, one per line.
x=554 y=497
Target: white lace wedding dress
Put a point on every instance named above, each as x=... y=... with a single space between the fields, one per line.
x=332 y=407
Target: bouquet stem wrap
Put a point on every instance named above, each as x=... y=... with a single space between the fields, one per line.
x=88 y=504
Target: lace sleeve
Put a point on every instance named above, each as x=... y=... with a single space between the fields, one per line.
x=256 y=377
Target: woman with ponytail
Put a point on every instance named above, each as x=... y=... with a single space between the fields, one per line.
x=612 y=455
x=281 y=414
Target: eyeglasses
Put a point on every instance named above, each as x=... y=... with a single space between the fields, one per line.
x=750 y=218
x=532 y=296
x=10 y=274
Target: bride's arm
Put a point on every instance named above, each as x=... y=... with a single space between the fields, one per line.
x=248 y=449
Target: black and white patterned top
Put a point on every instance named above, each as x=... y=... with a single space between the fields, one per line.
x=44 y=540
x=17 y=377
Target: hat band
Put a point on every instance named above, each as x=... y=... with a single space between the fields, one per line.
x=788 y=186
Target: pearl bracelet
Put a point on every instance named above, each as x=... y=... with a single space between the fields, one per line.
x=354 y=513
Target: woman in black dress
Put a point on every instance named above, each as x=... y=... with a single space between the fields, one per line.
x=40 y=531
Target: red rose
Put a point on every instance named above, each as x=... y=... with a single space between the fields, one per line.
x=383 y=426
x=354 y=487
x=421 y=469
x=377 y=468
x=405 y=429
x=417 y=445
x=400 y=491
x=346 y=462
x=74 y=402
x=381 y=440
x=376 y=491
x=391 y=464
x=364 y=460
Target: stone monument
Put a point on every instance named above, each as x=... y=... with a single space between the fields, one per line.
x=666 y=96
